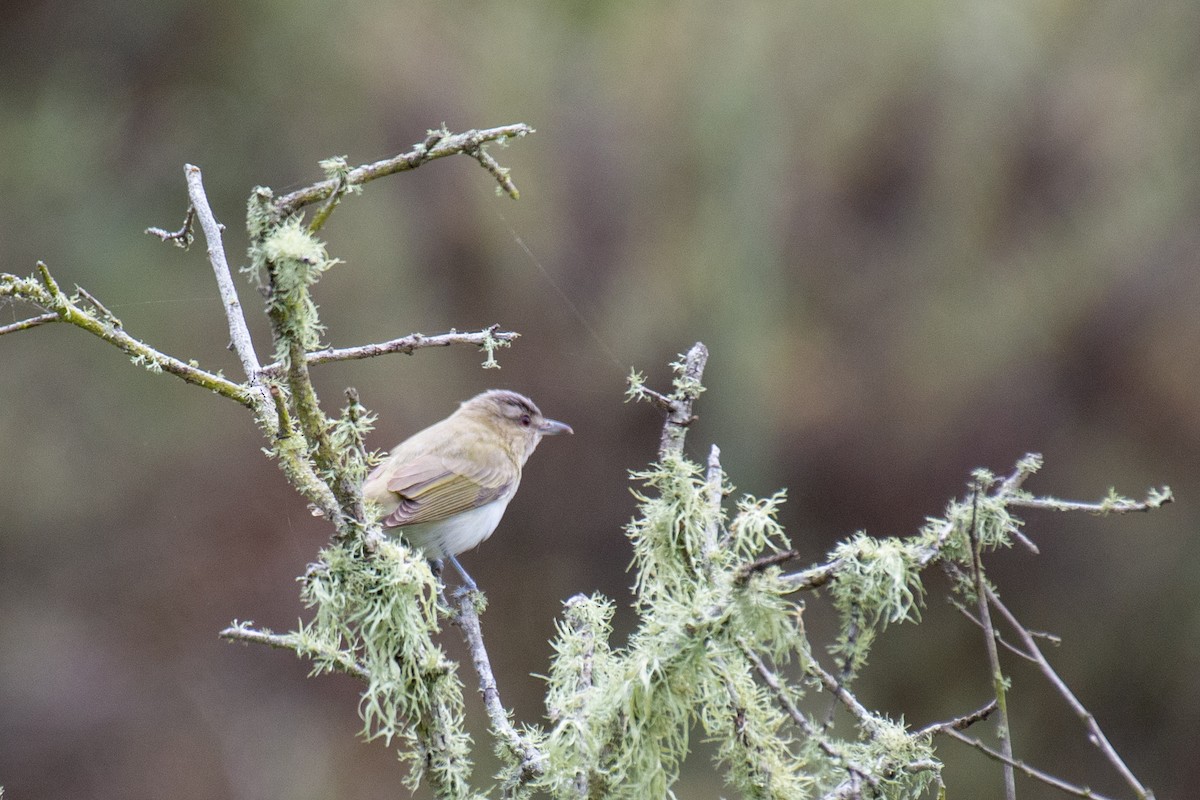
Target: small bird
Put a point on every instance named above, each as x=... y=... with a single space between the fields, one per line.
x=445 y=488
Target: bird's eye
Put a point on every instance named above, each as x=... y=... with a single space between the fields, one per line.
x=526 y=420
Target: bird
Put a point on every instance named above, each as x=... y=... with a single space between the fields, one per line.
x=444 y=489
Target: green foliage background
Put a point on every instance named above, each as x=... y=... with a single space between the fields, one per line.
x=917 y=238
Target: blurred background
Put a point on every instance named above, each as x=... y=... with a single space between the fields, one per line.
x=917 y=238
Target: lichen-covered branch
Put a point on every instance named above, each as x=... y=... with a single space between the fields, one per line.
x=438 y=144
x=489 y=339
x=44 y=292
x=678 y=405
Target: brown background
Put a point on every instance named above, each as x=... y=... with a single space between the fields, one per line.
x=918 y=238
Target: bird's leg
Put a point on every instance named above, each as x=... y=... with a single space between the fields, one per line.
x=467 y=582
x=436 y=565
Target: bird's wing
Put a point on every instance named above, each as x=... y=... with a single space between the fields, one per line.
x=434 y=487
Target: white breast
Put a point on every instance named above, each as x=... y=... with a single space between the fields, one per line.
x=456 y=534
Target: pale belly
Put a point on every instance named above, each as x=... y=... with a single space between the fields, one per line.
x=456 y=534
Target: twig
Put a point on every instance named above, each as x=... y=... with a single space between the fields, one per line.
x=498 y=172
x=955 y=574
x=180 y=238
x=532 y=760
x=785 y=702
x=843 y=695
x=405 y=344
x=715 y=490
x=959 y=723
x=1004 y=730
x=813 y=577
x=1155 y=498
x=438 y=144
x=291 y=641
x=45 y=292
x=1028 y=771
x=239 y=334
x=679 y=411
x=32 y=322
x=1095 y=734
x=802 y=722
x=96 y=304
x=762 y=562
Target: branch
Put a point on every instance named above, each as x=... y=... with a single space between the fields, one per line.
x=489 y=338
x=1095 y=734
x=239 y=334
x=32 y=322
x=959 y=723
x=300 y=645
x=532 y=760
x=1028 y=771
x=842 y=694
x=1155 y=498
x=181 y=238
x=45 y=293
x=438 y=144
x=999 y=685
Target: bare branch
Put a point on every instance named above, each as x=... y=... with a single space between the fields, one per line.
x=1095 y=734
x=182 y=237
x=814 y=577
x=959 y=723
x=1028 y=771
x=32 y=322
x=532 y=760
x=405 y=344
x=438 y=144
x=239 y=334
x=956 y=574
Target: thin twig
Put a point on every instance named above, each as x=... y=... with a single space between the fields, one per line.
x=438 y=144
x=762 y=562
x=405 y=344
x=966 y=612
x=813 y=577
x=959 y=723
x=680 y=416
x=498 y=172
x=1095 y=734
x=182 y=237
x=96 y=304
x=999 y=685
x=715 y=490
x=532 y=760
x=46 y=293
x=32 y=322
x=843 y=695
x=1028 y=771
x=239 y=333
x=291 y=641
x=797 y=716
x=1155 y=498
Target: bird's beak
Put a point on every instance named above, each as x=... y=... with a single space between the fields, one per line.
x=552 y=427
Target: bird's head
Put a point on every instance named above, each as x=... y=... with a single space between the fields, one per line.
x=514 y=418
